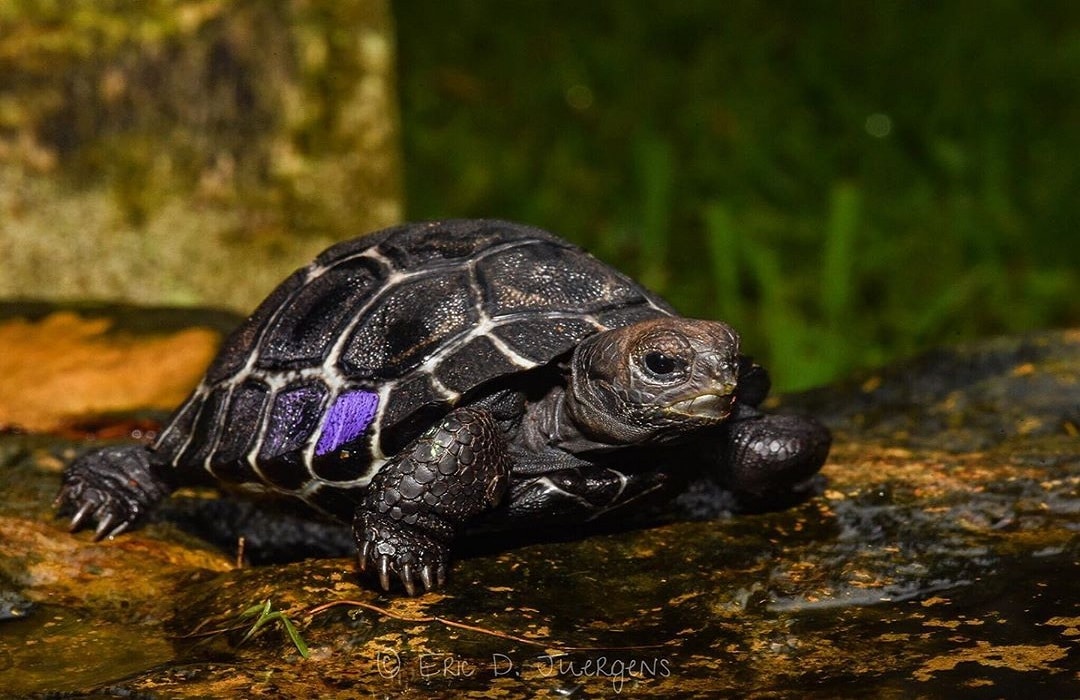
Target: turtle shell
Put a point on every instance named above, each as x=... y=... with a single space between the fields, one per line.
x=353 y=356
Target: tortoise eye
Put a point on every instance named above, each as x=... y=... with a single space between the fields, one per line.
x=660 y=364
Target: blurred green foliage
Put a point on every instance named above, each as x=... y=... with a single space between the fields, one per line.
x=844 y=182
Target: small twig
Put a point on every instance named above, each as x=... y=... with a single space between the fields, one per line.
x=265 y=614
x=196 y=634
x=470 y=628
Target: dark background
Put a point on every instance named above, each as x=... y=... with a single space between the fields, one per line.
x=846 y=183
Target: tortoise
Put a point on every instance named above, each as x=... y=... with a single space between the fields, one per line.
x=428 y=376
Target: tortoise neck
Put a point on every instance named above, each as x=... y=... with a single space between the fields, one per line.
x=567 y=431
x=550 y=424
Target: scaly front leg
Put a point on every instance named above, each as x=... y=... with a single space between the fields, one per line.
x=419 y=500
x=765 y=458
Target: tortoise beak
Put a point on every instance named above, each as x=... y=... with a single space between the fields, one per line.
x=710 y=406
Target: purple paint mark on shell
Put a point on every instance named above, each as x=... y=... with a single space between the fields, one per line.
x=294 y=417
x=347 y=420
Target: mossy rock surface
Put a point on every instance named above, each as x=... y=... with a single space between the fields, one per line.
x=939 y=560
x=151 y=150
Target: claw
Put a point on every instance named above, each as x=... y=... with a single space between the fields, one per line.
x=384 y=572
x=407 y=579
x=440 y=574
x=363 y=554
x=102 y=527
x=80 y=516
x=122 y=527
x=426 y=577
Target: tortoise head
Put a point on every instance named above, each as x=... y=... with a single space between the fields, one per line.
x=653 y=381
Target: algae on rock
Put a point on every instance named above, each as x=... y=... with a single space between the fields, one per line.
x=940 y=560
x=190 y=151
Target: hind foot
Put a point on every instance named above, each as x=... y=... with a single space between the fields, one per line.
x=114 y=487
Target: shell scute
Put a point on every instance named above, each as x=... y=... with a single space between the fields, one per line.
x=236 y=350
x=407 y=395
x=228 y=461
x=427 y=246
x=207 y=424
x=288 y=472
x=346 y=420
x=412 y=320
x=313 y=318
x=541 y=339
x=335 y=466
x=294 y=417
x=176 y=434
x=476 y=361
x=537 y=278
x=617 y=318
x=412 y=407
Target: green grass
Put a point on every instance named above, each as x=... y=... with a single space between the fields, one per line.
x=264 y=614
x=846 y=184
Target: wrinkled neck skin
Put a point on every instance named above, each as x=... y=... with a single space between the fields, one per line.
x=549 y=423
x=553 y=421
x=560 y=420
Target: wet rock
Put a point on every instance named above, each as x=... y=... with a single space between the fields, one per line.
x=940 y=559
x=13 y=605
x=963 y=398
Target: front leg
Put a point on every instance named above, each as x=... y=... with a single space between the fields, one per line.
x=766 y=458
x=419 y=500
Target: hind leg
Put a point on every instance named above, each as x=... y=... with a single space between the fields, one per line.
x=113 y=486
x=578 y=495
